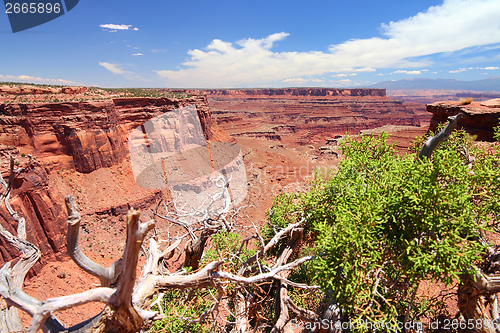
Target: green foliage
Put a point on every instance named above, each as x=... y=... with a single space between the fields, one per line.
x=384 y=223
x=179 y=308
x=225 y=246
x=146 y=92
x=496 y=134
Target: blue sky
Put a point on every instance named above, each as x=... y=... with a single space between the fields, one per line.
x=227 y=44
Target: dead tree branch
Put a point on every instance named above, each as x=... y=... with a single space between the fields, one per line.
x=129 y=300
x=433 y=142
x=107 y=276
x=12 y=280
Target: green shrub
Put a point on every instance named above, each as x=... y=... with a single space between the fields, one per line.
x=384 y=223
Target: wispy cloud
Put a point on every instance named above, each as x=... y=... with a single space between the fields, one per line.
x=116 y=27
x=299 y=81
x=39 y=80
x=118 y=70
x=460 y=70
x=400 y=71
x=137 y=54
x=252 y=62
x=344 y=75
x=114 y=68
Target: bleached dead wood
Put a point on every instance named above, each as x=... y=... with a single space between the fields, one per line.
x=129 y=300
x=433 y=142
x=107 y=276
x=12 y=279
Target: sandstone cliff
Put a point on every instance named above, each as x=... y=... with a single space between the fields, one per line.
x=287 y=92
x=85 y=136
x=479 y=117
x=41 y=206
x=76 y=138
x=26 y=89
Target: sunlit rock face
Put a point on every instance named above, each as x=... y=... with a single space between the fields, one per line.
x=76 y=137
x=479 y=118
x=85 y=136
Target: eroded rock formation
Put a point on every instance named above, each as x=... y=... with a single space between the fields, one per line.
x=26 y=89
x=41 y=206
x=308 y=114
x=479 y=118
x=68 y=137
x=288 y=92
x=85 y=136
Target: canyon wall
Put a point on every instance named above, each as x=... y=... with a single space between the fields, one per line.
x=85 y=136
x=82 y=138
x=71 y=137
x=309 y=114
x=42 y=208
x=289 y=92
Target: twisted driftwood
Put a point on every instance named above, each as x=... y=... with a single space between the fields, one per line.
x=129 y=300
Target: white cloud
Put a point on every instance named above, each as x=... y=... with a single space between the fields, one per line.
x=39 y=80
x=117 y=69
x=490 y=68
x=251 y=62
x=115 y=27
x=137 y=54
x=458 y=70
x=302 y=81
x=113 y=68
x=295 y=80
x=400 y=71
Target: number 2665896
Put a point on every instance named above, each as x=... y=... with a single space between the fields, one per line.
x=32 y=8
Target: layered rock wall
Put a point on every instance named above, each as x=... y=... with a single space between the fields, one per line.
x=85 y=136
x=74 y=136
x=45 y=217
x=479 y=118
x=295 y=92
x=308 y=115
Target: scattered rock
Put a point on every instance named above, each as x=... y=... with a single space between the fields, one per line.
x=492 y=103
x=328 y=150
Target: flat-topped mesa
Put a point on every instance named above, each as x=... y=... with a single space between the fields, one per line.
x=294 y=92
x=37 y=90
x=479 y=118
x=87 y=135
